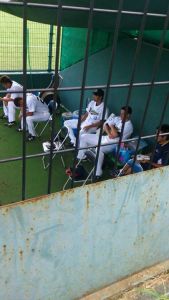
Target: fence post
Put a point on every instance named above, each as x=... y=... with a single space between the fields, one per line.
x=50 y=49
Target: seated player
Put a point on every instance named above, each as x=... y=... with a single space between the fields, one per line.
x=13 y=88
x=112 y=128
x=91 y=120
x=36 y=111
x=160 y=157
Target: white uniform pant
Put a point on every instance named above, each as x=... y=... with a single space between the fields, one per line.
x=9 y=110
x=87 y=140
x=36 y=117
x=72 y=124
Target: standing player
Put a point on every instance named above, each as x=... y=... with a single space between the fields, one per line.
x=36 y=111
x=14 y=90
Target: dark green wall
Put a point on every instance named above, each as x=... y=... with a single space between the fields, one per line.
x=98 y=73
x=34 y=80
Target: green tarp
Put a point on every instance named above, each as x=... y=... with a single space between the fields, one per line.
x=74 y=44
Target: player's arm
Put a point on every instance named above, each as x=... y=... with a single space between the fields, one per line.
x=93 y=125
x=84 y=117
x=107 y=128
x=28 y=113
x=113 y=132
x=7 y=98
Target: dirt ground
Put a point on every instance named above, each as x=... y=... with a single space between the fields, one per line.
x=156 y=288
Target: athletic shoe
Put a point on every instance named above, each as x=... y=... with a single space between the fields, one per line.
x=19 y=129
x=10 y=124
x=30 y=138
x=97 y=178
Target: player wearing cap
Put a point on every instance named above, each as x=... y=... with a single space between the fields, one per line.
x=14 y=90
x=36 y=111
x=91 y=120
x=112 y=128
x=159 y=158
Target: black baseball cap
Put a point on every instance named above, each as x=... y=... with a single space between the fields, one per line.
x=99 y=92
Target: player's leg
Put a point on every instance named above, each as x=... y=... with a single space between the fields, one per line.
x=11 y=111
x=103 y=150
x=36 y=117
x=86 y=140
x=5 y=109
x=70 y=125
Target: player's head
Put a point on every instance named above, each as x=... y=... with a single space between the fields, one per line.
x=6 y=81
x=98 y=95
x=125 y=113
x=18 y=102
x=164 y=128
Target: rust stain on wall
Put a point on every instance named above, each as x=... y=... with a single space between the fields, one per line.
x=87 y=200
x=4 y=249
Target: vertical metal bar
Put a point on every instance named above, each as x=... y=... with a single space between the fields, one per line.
x=155 y=70
x=114 y=47
x=51 y=33
x=90 y=24
x=134 y=64
x=24 y=98
x=55 y=92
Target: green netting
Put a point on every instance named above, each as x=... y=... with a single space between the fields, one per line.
x=11 y=44
x=74 y=44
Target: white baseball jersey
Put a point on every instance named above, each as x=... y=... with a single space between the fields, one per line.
x=34 y=105
x=117 y=122
x=95 y=112
x=15 y=87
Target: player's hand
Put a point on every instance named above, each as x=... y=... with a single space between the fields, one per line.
x=87 y=127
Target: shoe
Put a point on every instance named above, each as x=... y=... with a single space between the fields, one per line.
x=114 y=173
x=4 y=117
x=19 y=129
x=30 y=138
x=97 y=178
x=10 y=124
x=71 y=145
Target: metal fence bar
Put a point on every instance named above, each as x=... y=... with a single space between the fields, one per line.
x=133 y=70
x=114 y=47
x=155 y=69
x=50 y=49
x=92 y=87
x=12 y=159
x=90 y=23
x=24 y=99
x=81 y=8
x=55 y=94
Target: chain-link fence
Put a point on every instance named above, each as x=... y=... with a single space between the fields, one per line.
x=41 y=43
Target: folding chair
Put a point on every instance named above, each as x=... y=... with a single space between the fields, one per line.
x=47 y=97
x=58 y=145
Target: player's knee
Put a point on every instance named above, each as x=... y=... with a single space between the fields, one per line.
x=29 y=119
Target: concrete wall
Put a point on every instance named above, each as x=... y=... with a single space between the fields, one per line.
x=65 y=245
x=98 y=73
